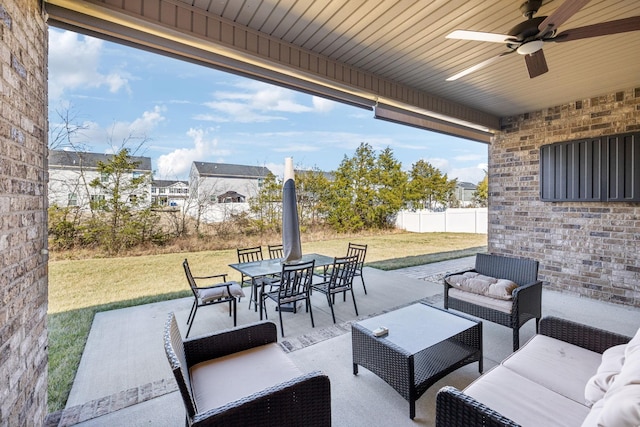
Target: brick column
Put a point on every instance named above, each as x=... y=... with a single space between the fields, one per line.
x=23 y=219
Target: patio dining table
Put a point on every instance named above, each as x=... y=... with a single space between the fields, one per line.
x=269 y=267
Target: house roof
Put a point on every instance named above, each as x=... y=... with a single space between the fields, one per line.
x=76 y=159
x=167 y=183
x=467 y=185
x=391 y=56
x=230 y=171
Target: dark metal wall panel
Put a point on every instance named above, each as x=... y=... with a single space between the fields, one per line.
x=623 y=174
x=600 y=169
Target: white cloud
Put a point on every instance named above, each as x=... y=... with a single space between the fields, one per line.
x=94 y=137
x=322 y=105
x=471 y=174
x=178 y=162
x=74 y=63
x=440 y=163
x=126 y=133
x=469 y=157
x=254 y=102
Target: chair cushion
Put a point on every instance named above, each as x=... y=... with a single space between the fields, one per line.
x=220 y=291
x=524 y=401
x=223 y=380
x=554 y=364
x=497 y=304
x=483 y=285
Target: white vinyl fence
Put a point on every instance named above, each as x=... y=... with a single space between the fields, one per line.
x=471 y=220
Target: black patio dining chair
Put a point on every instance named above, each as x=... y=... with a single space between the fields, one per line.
x=340 y=280
x=217 y=293
x=275 y=251
x=250 y=255
x=361 y=252
x=294 y=286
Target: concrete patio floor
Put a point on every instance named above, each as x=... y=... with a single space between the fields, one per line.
x=124 y=377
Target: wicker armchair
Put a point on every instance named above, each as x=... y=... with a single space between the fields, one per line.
x=526 y=298
x=302 y=400
x=454 y=408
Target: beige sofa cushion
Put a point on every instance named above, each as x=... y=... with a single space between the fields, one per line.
x=554 y=364
x=525 y=402
x=497 y=304
x=483 y=285
x=219 y=381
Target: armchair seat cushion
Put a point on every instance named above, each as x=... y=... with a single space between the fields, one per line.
x=505 y=306
x=223 y=380
x=220 y=291
x=554 y=364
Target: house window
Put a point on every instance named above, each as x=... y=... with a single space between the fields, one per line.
x=73 y=199
x=260 y=182
x=104 y=177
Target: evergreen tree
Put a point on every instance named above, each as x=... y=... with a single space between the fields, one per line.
x=367 y=191
x=267 y=205
x=312 y=189
x=428 y=188
x=481 y=195
x=125 y=216
x=391 y=184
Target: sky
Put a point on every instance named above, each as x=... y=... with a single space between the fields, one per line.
x=176 y=113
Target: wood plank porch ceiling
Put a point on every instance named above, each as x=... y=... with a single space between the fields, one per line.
x=392 y=52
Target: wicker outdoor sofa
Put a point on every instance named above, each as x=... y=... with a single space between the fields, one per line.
x=568 y=375
x=508 y=306
x=241 y=377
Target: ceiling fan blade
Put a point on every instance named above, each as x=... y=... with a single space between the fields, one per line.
x=602 y=29
x=479 y=36
x=560 y=15
x=536 y=63
x=478 y=66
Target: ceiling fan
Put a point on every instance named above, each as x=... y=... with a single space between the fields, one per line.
x=528 y=37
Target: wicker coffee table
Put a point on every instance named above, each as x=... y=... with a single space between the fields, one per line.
x=424 y=344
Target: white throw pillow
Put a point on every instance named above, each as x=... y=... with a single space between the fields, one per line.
x=603 y=379
x=621 y=407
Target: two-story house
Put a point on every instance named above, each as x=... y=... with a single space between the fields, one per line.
x=71 y=172
x=218 y=190
x=167 y=193
x=464 y=193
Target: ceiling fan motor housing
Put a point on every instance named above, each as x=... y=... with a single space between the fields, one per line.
x=526 y=29
x=530 y=8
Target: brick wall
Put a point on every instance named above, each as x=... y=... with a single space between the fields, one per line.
x=589 y=249
x=23 y=222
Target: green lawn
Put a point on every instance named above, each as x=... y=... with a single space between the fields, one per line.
x=80 y=288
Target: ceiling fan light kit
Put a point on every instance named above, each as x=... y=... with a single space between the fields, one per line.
x=528 y=37
x=530 y=47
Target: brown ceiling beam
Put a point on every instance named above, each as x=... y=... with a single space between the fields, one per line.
x=179 y=30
